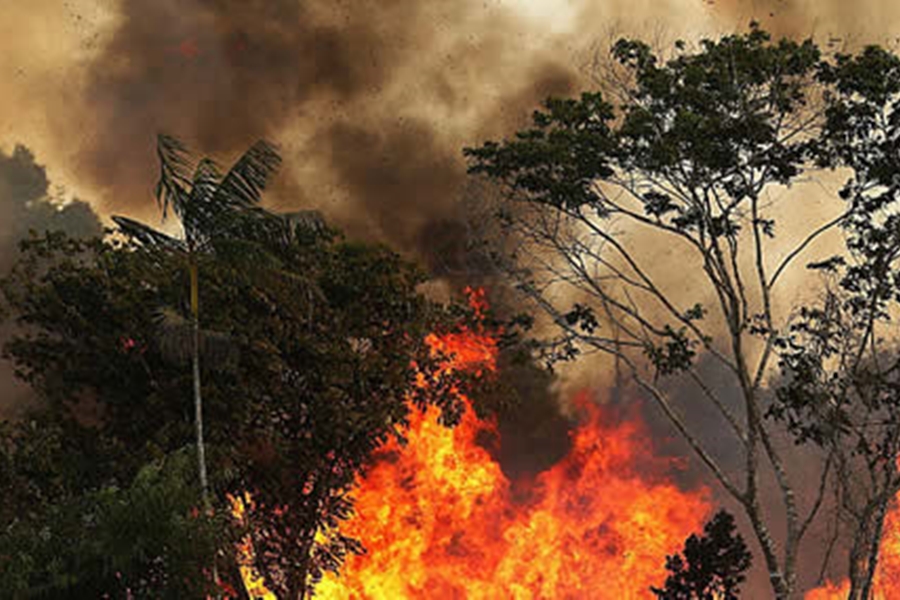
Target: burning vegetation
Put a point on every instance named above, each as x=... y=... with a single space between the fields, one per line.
x=439 y=518
x=350 y=453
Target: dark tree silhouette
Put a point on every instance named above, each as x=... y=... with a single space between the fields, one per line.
x=841 y=385
x=711 y=566
x=682 y=156
x=318 y=374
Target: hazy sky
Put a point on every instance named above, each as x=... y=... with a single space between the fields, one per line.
x=370 y=100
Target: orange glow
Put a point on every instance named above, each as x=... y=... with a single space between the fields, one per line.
x=253 y=581
x=829 y=591
x=440 y=520
x=887 y=574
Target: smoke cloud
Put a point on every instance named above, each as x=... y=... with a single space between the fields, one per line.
x=26 y=206
x=371 y=101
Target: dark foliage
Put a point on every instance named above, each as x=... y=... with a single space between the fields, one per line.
x=318 y=375
x=711 y=566
x=840 y=387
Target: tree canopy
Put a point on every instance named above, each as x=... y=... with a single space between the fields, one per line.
x=711 y=567
x=315 y=371
x=689 y=156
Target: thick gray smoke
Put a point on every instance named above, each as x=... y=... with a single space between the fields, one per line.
x=26 y=207
x=367 y=98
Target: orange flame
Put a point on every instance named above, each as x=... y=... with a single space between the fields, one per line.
x=253 y=581
x=887 y=574
x=440 y=520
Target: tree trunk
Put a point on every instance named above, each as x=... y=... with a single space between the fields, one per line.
x=866 y=546
x=198 y=406
x=198 y=399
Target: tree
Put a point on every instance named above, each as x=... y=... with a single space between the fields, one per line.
x=208 y=205
x=141 y=540
x=28 y=202
x=318 y=373
x=841 y=389
x=685 y=161
x=711 y=567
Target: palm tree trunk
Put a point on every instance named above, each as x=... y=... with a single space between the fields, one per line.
x=198 y=405
x=198 y=399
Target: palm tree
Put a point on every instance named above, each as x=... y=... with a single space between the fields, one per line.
x=210 y=208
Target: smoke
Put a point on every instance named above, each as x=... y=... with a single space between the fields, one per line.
x=370 y=100
x=867 y=21
x=27 y=207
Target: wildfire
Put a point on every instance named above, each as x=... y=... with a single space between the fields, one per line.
x=253 y=581
x=887 y=575
x=440 y=520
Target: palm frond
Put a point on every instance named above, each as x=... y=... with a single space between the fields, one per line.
x=205 y=180
x=173 y=187
x=147 y=236
x=278 y=229
x=242 y=186
x=243 y=252
x=201 y=213
x=266 y=227
x=306 y=221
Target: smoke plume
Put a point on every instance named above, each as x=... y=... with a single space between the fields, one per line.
x=371 y=101
x=26 y=207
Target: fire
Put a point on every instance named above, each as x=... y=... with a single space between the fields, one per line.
x=253 y=581
x=440 y=520
x=887 y=574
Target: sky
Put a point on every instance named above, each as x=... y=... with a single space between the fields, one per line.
x=370 y=101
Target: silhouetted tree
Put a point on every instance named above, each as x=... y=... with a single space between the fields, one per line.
x=318 y=373
x=683 y=160
x=711 y=566
x=841 y=385
x=208 y=206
